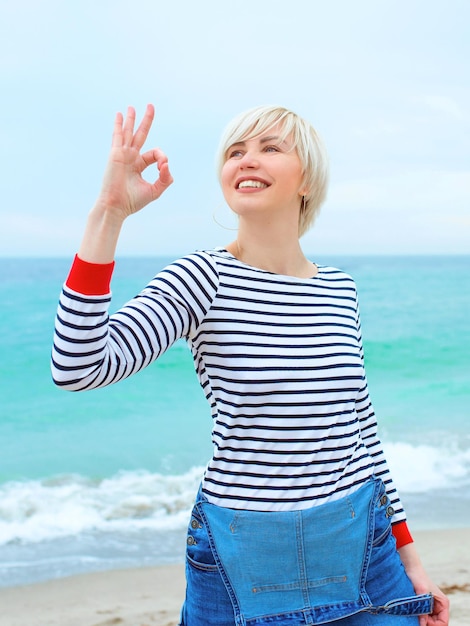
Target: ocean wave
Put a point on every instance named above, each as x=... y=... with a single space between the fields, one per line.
x=425 y=468
x=39 y=510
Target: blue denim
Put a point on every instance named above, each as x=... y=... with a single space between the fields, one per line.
x=248 y=568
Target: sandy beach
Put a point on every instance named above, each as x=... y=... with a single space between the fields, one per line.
x=153 y=596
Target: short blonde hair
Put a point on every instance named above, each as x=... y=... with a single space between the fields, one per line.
x=307 y=143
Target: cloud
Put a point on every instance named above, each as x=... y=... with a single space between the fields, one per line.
x=377 y=128
x=421 y=212
x=426 y=191
x=29 y=234
x=394 y=118
x=443 y=104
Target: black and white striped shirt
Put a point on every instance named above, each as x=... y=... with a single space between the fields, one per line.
x=279 y=359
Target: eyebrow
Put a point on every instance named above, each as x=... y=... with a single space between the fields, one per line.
x=271 y=138
x=267 y=139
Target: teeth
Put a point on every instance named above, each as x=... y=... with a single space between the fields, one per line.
x=252 y=183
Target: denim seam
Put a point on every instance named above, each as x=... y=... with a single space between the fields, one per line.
x=239 y=619
x=368 y=548
x=203 y=567
x=383 y=536
x=319 y=614
x=301 y=558
x=310 y=584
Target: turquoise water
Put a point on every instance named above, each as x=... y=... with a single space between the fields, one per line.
x=89 y=481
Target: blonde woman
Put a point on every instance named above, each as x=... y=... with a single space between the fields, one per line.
x=297 y=520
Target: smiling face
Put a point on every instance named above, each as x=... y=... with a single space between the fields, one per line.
x=268 y=121
x=263 y=174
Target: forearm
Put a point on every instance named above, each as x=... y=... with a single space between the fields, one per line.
x=410 y=559
x=91 y=351
x=422 y=585
x=88 y=350
x=124 y=191
x=101 y=235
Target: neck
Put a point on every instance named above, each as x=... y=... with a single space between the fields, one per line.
x=272 y=250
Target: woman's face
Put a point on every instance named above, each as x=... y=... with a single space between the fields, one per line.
x=263 y=175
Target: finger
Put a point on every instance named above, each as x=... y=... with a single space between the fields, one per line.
x=165 y=176
x=144 y=127
x=153 y=156
x=164 y=180
x=128 y=128
x=441 y=611
x=117 y=132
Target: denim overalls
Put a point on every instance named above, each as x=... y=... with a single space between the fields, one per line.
x=291 y=568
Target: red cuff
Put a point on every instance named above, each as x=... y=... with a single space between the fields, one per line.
x=402 y=534
x=90 y=279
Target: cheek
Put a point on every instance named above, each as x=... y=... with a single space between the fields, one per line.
x=226 y=178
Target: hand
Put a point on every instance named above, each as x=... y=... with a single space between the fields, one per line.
x=423 y=584
x=124 y=191
x=440 y=613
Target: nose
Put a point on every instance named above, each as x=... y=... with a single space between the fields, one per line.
x=248 y=160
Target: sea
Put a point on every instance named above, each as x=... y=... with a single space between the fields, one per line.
x=105 y=479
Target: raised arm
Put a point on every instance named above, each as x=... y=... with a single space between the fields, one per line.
x=90 y=350
x=124 y=191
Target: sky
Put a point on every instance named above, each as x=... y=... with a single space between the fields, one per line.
x=386 y=85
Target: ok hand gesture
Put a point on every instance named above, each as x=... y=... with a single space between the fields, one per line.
x=124 y=191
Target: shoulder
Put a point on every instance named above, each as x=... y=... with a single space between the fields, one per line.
x=192 y=277
x=334 y=275
x=200 y=261
x=198 y=265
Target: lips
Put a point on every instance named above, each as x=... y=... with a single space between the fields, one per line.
x=251 y=183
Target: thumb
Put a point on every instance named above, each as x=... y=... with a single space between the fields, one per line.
x=164 y=180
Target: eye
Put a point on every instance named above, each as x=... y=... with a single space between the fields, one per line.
x=272 y=149
x=234 y=154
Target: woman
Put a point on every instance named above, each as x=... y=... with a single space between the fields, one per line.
x=297 y=520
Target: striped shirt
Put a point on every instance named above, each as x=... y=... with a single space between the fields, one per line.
x=279 y=359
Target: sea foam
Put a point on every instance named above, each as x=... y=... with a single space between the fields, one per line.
x=34 y=511
x=39 y=510
x=425 y=468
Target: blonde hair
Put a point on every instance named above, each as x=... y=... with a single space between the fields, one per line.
x=308 y=145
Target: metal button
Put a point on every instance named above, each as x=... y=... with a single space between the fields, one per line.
x=390 y=511
x=383 y=500
x=191 y=541
x=195 y=524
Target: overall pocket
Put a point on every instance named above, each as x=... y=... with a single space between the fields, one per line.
x=382 y=519
x=207 y=602
x=198 y=551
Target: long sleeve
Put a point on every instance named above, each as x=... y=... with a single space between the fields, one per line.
x=93 y=349
x=369 y=434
